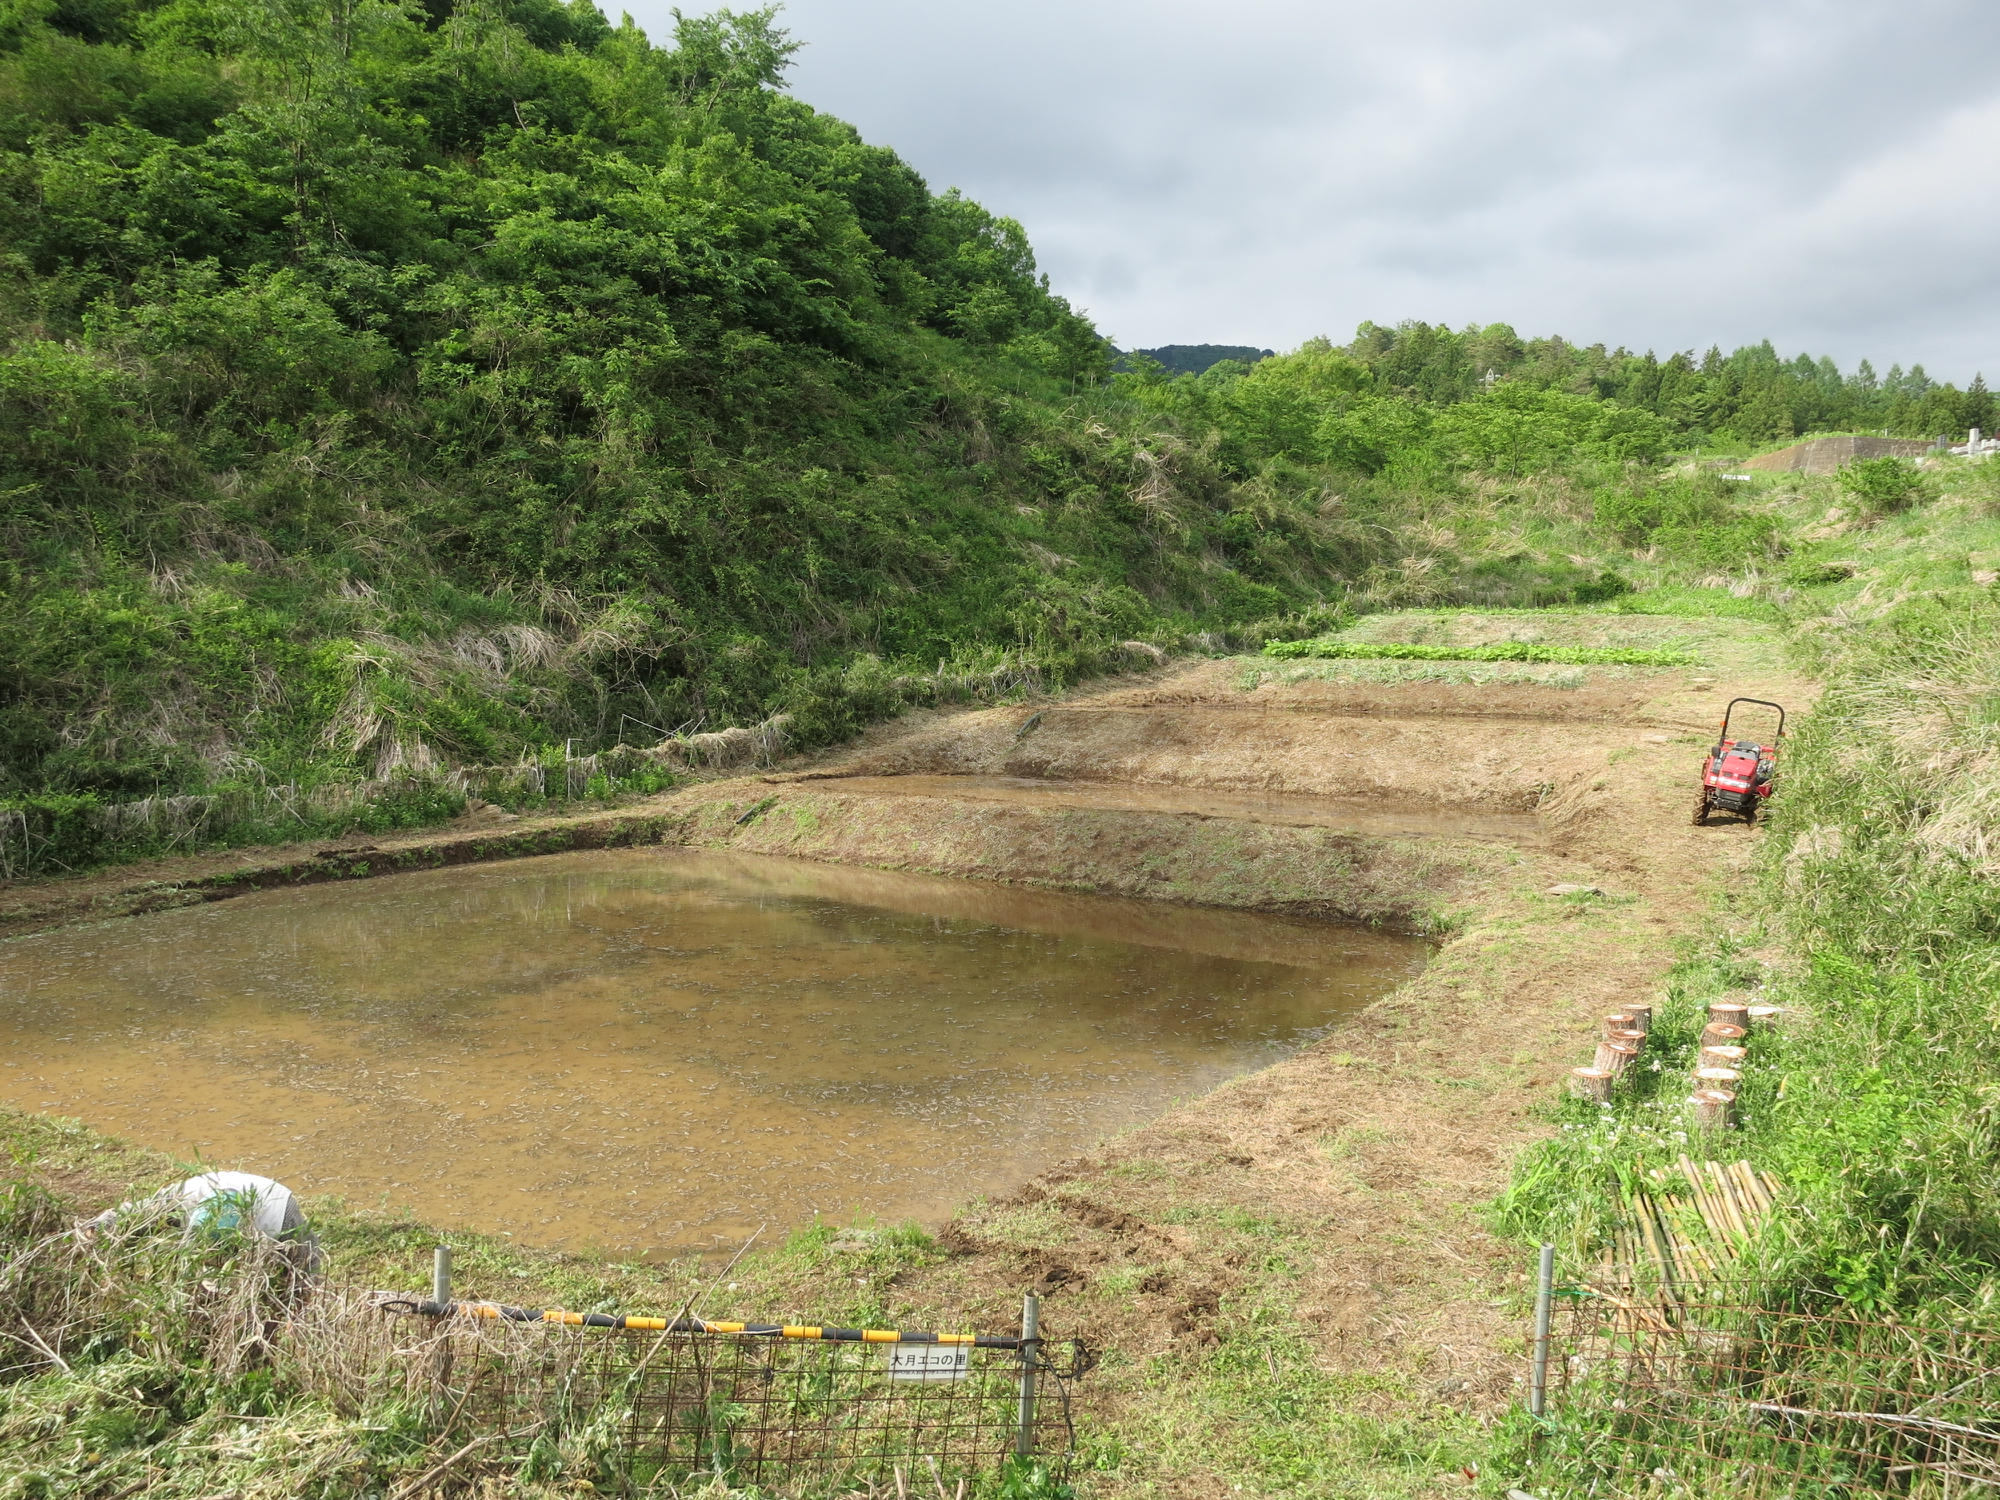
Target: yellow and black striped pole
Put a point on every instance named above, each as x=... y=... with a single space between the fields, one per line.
x=501 y=1312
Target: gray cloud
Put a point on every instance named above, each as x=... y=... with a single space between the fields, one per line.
x=1669 y=175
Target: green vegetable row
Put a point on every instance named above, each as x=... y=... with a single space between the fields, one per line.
x=1576 y=656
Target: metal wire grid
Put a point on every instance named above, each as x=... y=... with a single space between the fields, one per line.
x=778 y=1413
x=1717 y=1392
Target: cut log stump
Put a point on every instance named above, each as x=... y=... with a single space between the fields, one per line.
x=1712 y=1109
x=1614 y=1057
x=1593 y=1084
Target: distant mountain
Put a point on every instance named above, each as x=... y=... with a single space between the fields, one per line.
x=1192 y=359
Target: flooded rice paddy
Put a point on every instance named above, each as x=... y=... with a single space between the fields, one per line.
x=656 y=1051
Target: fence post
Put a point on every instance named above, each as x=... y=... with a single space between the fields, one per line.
x=1031 y=1352
x=441 y=1277
x=1538 y=1380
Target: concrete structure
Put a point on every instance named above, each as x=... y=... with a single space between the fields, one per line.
x=1825 y=455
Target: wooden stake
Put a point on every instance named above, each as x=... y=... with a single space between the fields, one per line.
x=1617 y=1023
x=1713 y=1109
x=1764 y=1017
x=1642 y=1016
x=1719 y=1184
x=1635 y=1039
x=1593 y=1084
x=1695 y=1187
x=1655 y=1235
x=1722 y=1055
x=1717 y=1078
x=1730 y=1013
x=1721 y=1031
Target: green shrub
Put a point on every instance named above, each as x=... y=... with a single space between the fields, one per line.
x=1695 y=519
x=1818 y=574
x=1881 y=486
x=1516 y=428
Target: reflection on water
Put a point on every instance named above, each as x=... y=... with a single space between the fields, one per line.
x=656 y=1051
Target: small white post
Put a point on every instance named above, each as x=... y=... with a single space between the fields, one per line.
x=1031 y=1350
x=441 y=1277
x=1545 y=1282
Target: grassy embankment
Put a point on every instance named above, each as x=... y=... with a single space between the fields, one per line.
x=390 y=392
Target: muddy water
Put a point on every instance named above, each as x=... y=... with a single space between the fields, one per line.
x=657 y=1051
x=1374 y=815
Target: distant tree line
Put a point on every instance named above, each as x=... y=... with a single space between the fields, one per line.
x=1753 y=395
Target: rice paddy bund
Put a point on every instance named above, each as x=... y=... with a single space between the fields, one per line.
x=655 y=1052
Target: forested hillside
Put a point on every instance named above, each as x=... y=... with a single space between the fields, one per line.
x=385 y=389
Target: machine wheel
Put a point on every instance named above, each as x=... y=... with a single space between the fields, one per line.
x=1701 y=811
x=1750 y=812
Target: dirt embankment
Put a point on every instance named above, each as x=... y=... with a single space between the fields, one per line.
x=1335 y=1194
x=1372 y=801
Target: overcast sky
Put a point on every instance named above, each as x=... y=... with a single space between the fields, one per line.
x=1664 y=175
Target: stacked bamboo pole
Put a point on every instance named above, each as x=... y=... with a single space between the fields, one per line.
x=1690 y=1225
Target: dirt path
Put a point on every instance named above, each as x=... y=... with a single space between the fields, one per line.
x=1291 y=1272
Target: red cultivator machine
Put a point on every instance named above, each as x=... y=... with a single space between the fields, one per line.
x=1736 y=777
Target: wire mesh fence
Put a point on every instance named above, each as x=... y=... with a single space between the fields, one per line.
x=1735 y=1388
x=789 y=1415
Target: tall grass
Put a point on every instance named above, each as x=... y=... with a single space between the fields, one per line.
x=136 y=1359
x=1880 y=872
